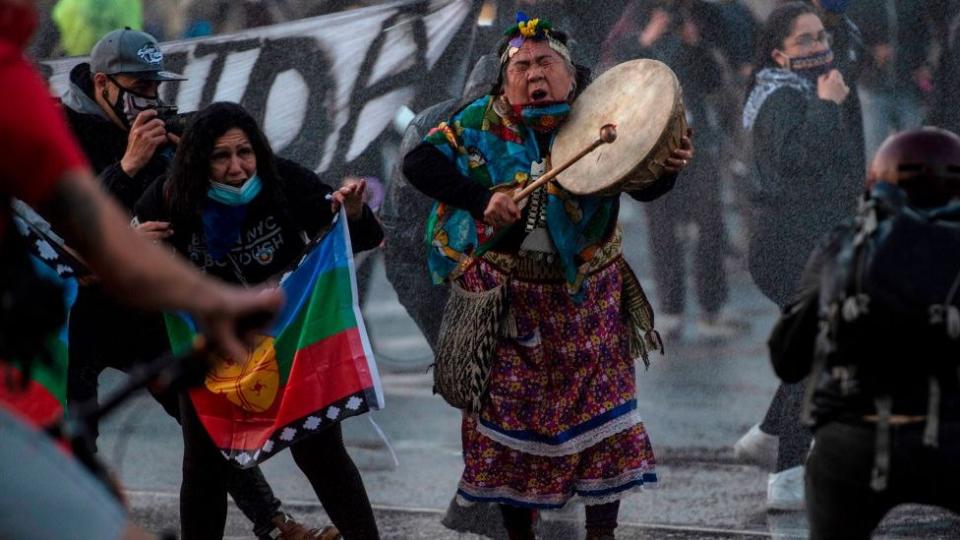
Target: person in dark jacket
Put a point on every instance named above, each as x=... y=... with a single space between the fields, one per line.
x=111 y=108
x=806 y=180
x=267 y=209
x=897 y=78
x=685 y=36
x=111 y=104
x=943 y=108
x=103 y=333
x=854 y=477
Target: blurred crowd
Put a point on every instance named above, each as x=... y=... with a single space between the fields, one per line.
x=71 y=27
x=902 y=53
x=908 y=65
x=908 y=61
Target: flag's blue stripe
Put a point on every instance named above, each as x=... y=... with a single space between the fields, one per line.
x=69 y=288
x=331 y=253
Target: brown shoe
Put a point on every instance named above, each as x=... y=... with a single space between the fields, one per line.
x=290 y=529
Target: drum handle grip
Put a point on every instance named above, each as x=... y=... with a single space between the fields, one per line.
x=608 y=134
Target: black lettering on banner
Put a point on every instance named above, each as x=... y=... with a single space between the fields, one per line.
x=308 y=58
x=222 y=51
x=177 y=63
x=364 y=92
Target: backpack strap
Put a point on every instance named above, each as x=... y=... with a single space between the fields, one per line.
x=947 y=314
x=932 y=428
x=825 y=345
x=881 y=459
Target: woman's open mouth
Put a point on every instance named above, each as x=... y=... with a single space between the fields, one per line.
x=539 y=95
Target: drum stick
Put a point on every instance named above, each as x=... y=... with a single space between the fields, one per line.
x=608 y=134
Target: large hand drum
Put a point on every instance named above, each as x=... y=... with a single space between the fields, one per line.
x=644 y=100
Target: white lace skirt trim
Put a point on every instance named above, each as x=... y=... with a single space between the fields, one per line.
x=588 y=492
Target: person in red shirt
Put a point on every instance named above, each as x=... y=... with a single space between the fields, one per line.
x=41 y=164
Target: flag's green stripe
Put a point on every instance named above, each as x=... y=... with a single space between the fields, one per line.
x=53 y=376
x=179 y=333
x=329 y=311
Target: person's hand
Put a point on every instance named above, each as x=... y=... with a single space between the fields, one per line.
x=501 y=211
x=830 y=87
x=231 y=323
x=882 y=54
x=173 y=138
x=923 y=77
x=146 y=135
x=680 y=157
x=656 y=27
x=154 y=230
x=690 y=33
x=351 y=197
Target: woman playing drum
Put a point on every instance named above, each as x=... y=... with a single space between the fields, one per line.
x=558 y=420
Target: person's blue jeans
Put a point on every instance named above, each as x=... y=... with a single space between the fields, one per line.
x=886 y=112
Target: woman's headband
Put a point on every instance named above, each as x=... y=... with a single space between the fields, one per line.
x=534 y=29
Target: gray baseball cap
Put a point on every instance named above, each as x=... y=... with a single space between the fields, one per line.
x=130 y=52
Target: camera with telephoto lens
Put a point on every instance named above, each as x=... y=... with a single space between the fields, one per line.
x=173 y=121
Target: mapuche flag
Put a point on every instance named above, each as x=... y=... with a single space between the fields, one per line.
x=42 y=399
x=313 y=367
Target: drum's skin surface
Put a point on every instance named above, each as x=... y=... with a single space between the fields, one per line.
x=644 y=100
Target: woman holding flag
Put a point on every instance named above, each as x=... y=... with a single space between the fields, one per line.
x=242 y=214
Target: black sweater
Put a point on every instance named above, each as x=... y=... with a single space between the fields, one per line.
x=272 y=236
x=806 y=182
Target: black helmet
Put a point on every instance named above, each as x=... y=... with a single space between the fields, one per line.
x=924 y=162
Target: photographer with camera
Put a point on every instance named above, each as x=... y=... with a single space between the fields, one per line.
x=111 y=109
x=127 y=133
x=112 y=106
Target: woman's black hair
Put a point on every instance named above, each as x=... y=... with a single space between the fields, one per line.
x=775 y=31
x=189 y=178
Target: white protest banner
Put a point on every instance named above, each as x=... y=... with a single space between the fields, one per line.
x=323 y=88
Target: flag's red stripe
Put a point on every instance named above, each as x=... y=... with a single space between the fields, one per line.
x=35 y=402
x=322 y=373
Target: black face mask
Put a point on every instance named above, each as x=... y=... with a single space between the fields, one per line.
x=812 y=66
x=129 y=103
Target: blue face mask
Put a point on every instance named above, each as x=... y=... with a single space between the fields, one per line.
x=544 y=118
x=235 y=196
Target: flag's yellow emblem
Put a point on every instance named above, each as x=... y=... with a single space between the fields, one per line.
x=251 y=385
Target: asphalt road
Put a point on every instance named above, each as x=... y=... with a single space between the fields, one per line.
x=696 y=401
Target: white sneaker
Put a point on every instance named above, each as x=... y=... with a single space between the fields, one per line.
x=716 y=326
x=785 y=491
x=757 y=447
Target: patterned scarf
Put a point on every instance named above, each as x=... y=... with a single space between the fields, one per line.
x=768 y=81
x=493 y=147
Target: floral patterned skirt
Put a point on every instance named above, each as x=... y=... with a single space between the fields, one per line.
x=560 y=419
